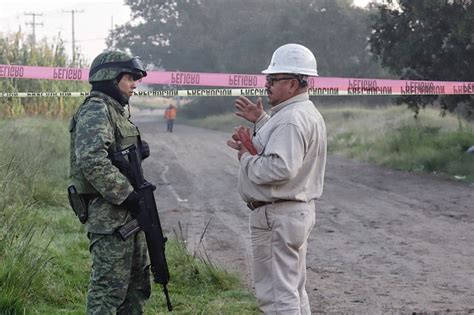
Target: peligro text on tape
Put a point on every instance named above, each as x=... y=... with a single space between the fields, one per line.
x=334 y=91
x=11 y=71
x=185 y=78
x=67 y=74
x=351 y=86
x=243 y=80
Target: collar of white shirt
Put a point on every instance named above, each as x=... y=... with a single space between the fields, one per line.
x=298 y=98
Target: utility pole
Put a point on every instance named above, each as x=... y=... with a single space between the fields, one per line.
x=112 y=28
x=73 y=34
x=33 y=26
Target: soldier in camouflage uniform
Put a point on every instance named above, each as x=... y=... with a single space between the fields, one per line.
x=119 y=282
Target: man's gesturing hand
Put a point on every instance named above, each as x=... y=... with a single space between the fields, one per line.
x=248 y=110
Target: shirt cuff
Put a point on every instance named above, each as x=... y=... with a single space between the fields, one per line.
x=245 y=158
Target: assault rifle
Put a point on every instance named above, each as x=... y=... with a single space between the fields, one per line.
x=147 y=219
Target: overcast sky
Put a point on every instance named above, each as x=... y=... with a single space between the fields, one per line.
x=91 y=26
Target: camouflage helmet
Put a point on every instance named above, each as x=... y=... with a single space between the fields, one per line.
x=109 y=64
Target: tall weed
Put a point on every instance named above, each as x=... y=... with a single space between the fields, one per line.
x=28 y=180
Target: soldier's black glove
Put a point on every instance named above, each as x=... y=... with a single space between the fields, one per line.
x=145 y=150
x=132 y=203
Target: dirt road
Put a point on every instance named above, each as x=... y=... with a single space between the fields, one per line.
x=384 y=241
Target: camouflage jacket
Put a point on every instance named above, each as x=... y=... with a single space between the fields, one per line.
x=98 y=128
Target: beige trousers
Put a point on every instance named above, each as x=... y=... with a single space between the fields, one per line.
x=279 y=234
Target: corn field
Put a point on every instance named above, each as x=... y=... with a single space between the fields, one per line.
x=17 y=49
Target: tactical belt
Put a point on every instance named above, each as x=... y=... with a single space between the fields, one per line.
x=257 y=204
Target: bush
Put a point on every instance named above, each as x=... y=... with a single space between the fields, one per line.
x=201 y=107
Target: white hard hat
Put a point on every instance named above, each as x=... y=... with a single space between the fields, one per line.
x=293 y=58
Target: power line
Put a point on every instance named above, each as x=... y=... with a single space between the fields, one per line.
x=73 y=34
x=33 y=26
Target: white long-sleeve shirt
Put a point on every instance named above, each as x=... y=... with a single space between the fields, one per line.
x=291 y=145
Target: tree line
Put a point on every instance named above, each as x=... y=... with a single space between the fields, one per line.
x=416 y=40
x=427 y=40
x=239 y=36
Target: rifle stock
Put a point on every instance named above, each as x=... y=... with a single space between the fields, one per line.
x=128 y=163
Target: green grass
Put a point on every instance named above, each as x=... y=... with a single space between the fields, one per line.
x=199 y=287
x=44 y=258
x=393 y=138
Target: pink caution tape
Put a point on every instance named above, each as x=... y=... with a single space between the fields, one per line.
x=319 y=85
x=48 y=73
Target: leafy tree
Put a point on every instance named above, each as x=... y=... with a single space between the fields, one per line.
x=427 y=40
x=239 y=36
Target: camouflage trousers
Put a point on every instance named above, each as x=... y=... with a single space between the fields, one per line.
x=119 y=283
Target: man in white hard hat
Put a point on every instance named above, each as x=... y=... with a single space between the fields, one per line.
x=283 y=181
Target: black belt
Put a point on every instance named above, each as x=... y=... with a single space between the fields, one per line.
x=257 y=204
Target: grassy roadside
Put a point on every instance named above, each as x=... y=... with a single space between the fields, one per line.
x=391 y=137
x=44 y=258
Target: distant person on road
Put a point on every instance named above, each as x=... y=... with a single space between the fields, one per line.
x=283 y=180
x=120 y=280
x=170 y=116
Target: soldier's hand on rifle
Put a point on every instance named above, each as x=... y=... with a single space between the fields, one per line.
x=132 y=203
x=145 y=150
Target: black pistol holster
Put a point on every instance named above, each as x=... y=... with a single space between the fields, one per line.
x=78 y=203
